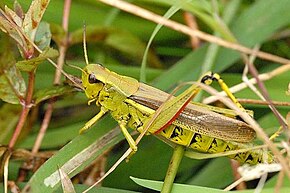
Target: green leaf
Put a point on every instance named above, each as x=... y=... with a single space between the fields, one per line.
x=43 y=36
x=54 y=91
x=274 y=180
x=30 y=65
x=188 y=67
x=267 y=190
x=11 y=23
x=75 y=156
x=63 y=134
x=18 y=9
x=33 y=17
x=81 y=188
x=14 y=17
x=206 y=178
x=156 y=185
x=12 y=86
x=8 y=118
x=6 y=55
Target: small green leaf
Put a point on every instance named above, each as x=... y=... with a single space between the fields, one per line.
x=33 y=17
x=43 y=36
x=48 y=93
x=18 y=9
x=30 y=65
x=13 y=16
x=12 y=85
x=12 y=30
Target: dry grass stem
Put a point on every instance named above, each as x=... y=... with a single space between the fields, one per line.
x=133 y=9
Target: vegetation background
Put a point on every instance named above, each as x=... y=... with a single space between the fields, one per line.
x=117 y=40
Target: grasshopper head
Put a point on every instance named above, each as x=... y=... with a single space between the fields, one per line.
x=96 y=76
x=93 y=80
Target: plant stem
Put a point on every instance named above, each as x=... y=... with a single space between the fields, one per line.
x=57 y=77
x=25 y=110
x=172 y=169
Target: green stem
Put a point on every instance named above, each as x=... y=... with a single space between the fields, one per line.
x=172 y=168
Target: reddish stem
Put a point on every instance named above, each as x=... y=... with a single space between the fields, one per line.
x=237 y=176
x=191 y=22
x=25 y=110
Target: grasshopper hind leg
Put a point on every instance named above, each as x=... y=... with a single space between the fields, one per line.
x=210 y=77
x=250 y=157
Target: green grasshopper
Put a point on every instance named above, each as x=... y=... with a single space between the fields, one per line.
x=202 y=128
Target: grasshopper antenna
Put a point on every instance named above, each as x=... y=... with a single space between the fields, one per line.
x=85 y=46
x=76 y=67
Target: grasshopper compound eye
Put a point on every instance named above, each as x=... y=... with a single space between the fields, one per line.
x=92 y=79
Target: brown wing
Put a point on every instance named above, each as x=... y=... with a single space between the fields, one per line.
x=198 y=118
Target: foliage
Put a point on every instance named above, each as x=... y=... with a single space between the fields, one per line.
x=118 y=40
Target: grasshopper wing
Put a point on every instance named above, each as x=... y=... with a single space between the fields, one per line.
x=198 y=118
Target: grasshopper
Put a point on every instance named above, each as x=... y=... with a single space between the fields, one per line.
x=199 y=127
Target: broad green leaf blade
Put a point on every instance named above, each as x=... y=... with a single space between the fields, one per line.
x=254 y=27
x=173 y=9
x=267 y=190
x=203 y=10
x=80 y=188
x=188 y=68
x=157 y=186
x=74 y=157
x=274 y=180
x=220 y=167
x=63 y=134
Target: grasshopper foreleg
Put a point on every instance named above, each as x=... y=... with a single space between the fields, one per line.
x=93 y=120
